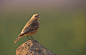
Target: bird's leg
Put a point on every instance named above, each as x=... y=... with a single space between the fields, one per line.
x=27 y=37
x=31 y=36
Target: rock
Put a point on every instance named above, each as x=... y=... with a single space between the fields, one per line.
x=32 y=47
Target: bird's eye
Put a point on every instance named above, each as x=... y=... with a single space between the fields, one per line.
x=35 y=16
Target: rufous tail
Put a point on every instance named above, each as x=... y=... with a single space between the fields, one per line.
x=17 y=39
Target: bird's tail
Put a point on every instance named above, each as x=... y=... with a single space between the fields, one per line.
x=17 y=39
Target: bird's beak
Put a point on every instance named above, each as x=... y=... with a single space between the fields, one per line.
x=39 y=16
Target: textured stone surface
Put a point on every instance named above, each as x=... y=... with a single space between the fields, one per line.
x=32 y=47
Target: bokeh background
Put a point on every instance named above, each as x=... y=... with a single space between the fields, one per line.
x=62 y=25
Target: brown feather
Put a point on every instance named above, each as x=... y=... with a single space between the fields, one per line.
x=31 y=27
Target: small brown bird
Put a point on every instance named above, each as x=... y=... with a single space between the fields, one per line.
x=30 y=28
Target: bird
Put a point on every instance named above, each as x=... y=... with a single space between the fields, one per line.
x=30 y=28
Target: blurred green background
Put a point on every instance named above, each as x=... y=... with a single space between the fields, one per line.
x=62 y=25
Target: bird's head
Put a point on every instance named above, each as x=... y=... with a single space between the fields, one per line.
x=35 y=17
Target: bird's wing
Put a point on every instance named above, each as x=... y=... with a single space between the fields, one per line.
x=29 y=28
